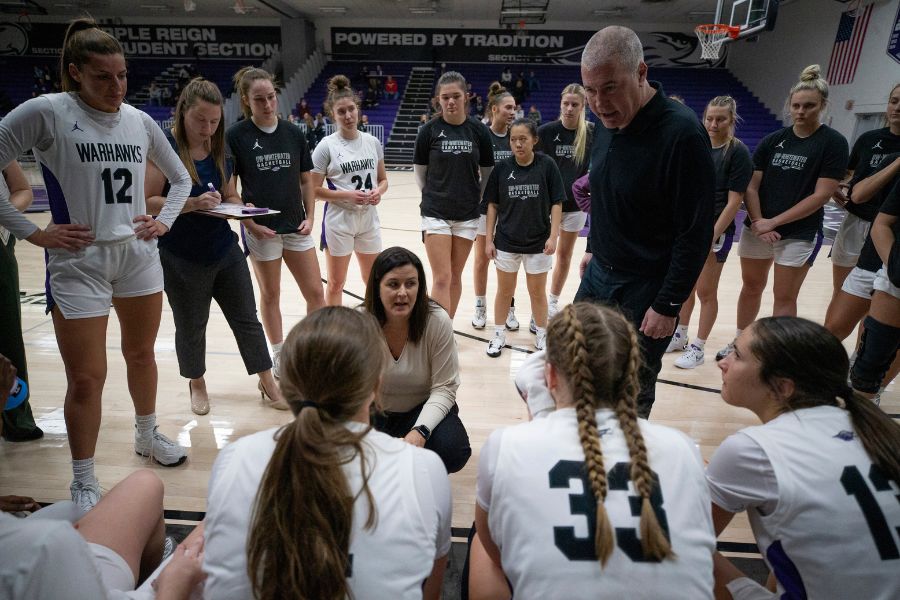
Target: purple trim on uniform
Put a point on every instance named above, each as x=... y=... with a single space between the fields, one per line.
x=785 y=572
x=586 y=230
x=722 y=254
x=323 y=244
x=55 y=196
x=244 y=241
x=812 y=257
x=48 y=295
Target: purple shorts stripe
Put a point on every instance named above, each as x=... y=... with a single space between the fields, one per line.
x=323 y=244
x=55 y=197
x=820 y=237
x=722 y=254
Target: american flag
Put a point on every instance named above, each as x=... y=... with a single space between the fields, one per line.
x=848 y=45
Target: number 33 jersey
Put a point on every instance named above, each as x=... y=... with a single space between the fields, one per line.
x=542 y=512
x=827 y=521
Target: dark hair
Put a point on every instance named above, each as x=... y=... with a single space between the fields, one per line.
x=596 y=350
x=814 y=360
x=496 y=93
x=525 y=122
x=449 y=78
x=384 y=263
x=243 y=79
x=338 y=88
x=199 y=89
x=83 y=38
x=298 y=545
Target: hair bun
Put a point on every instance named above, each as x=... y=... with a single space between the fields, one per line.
x=811 y=73
x=338 y=82
x=495 y=89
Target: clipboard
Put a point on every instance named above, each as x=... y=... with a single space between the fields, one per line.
x=237 y=211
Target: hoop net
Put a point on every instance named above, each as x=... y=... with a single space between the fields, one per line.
x=712 y=37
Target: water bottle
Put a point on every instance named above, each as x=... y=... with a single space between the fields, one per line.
x=17 y=394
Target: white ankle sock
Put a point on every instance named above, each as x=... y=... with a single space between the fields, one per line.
x=553 y=298
x=276 y=348
x=145 y=424
x=480 y=301
x=83 y=470
x=500 y=331
x=681 y=331
x=700 y=344
x=737 y=333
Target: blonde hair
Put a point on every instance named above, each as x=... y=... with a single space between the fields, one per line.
x=729 y=103
x=810 y=80
x=338 y=88
x=298 y=545
x=596 y=350
x=197 y=90
x=83 y=38
x=244 y=79
x=581 y=129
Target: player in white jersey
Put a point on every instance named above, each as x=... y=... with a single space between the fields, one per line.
x=590 y=501
x=101 y=245
x=353 y=162
x=327 y=507
x=819 y=479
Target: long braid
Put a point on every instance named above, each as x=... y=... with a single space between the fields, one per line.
x=653 y=539
x=582 y=382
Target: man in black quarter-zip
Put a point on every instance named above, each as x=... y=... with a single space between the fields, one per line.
x=652 y=190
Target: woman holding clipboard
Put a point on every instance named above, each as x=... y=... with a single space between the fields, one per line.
x=201 y=258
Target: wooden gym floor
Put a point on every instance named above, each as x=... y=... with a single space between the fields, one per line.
x=687 y=400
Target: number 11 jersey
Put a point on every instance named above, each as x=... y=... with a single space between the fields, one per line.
x=542 y=512
x=826 y=520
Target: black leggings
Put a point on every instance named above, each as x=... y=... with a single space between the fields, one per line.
x=449 y=439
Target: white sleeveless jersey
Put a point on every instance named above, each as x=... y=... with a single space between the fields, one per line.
x=836 y=528
x=95 y=173
x=349 y=164
x=542 y=512
x=412 y=499
x=94 y=162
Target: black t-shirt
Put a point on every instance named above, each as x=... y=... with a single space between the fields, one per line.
x=501 y=153
x=891 y=205
x=734 y=168
x=868 y=256
x=868 y=153
x=200 y=238
x=791 y=167
x=524 y=197
x=269 y=165
x=558 y=143
x=453 y=154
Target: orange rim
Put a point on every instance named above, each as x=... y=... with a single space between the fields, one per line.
x=720 y=29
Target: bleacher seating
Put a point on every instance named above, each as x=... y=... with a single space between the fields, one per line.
x=696 y=86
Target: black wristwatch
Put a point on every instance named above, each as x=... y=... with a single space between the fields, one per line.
x=424 y=431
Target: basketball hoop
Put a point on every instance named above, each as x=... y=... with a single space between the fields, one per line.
x=712 y=37
x=520 y=32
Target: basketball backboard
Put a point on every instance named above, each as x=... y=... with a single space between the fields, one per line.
x=751 y=16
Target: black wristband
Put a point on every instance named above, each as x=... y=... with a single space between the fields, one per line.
x=423 y=431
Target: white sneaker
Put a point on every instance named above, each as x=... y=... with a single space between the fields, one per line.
x=276 y=365
x=552 y=309
x=532 y=326
x=480 y=318
x=512 y=323
x=692 y=357
x=160 y=448
x=725 y=351
x=678 y=343
x=541 y=340
x=496 y=345
x=85 y=495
